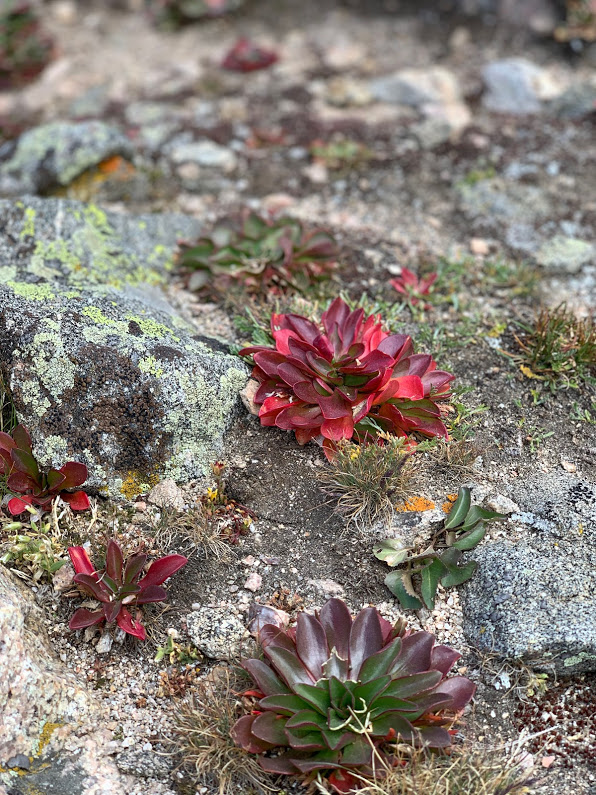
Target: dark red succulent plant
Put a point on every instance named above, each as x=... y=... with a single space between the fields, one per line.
x=414 y=288
x=37 y=488
x=118 y=587
x=348 y=378
x=334 y=693
x=246 y=56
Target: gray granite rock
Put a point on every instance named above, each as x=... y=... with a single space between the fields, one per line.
x=100 y=367
x=575 y=102
x=498 y=202
x=36 y=691
x=568 y=254
x=54 y=154
x=217 y=632
x=536 y=600
x=515 y=85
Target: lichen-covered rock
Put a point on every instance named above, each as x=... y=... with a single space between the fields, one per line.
x=76 y=244
x=36 y=692
x=536 y=600
x=107 y=375
x=54 y=154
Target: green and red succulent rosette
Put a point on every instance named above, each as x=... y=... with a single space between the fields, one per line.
x=336 y=693
x=119 y=587
x=37 y=488
x=347 y=378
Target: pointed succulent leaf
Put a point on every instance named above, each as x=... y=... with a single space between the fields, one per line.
x=471 y=539
x=394 y=581
x=393 y=704
x=392 y=550
x=269 y=728
x=83 y=618
x=380 y=663
x=336 y=666
x=114 y=561
x=284 y=704
x=443 y=658
x=311 y=644
x=408 y=686
x=78 y=500
x=460 y=689
x=161 y=569
x=396 y=721
x=367 y=693
x=20 y=482
x=277 y=765
x=431 y=576
x=134 y=566
x=287 y=664
x=305 y=739
x=17 y=505
x=337 y=623
x=416 y=654
x=357 y=753
x=460 y=509
x=434 y=736
x=111 y=610
x=268 y=682
x=317 y=697
x=242 y=735
x=323 y=760
x=307 y=719
x=366 y=639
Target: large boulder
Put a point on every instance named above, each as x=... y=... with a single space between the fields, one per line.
x=100 y=367
x=36 y=692
x=535 y=600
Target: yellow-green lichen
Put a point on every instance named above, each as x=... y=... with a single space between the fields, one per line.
x=201 y=418
x=583 y=656
x=97 y=316
x=150 y=365
x=55 y=451
x=32 y=292
x=8 y=273
x=152 y=328
x=28 y=229
x=138 y=483
x=51 y=367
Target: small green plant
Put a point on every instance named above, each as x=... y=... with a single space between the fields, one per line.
x=559 y=348
x=25 y=49
x=584 y=415
x=233 y=520
x=176 y=653
x=340 y=155
x=476 y=175
x=335 y=693
x=33 y=548
x=171 y=14
x=262 y=256
x=368 y=479
x=415 y=583
x=462 y=420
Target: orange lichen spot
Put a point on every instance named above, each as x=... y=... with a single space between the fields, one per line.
x=114 y=165
x=46 y=734
x=415 y=504
x=447 y=506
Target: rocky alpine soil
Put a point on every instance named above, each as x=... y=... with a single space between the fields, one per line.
x=474 y=139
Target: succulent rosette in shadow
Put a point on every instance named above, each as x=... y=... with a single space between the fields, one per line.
x=263 y=255
x=346 y=378
x=36 y=487
x=334 y=692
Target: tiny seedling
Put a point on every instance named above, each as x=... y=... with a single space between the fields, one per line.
x=421 y=571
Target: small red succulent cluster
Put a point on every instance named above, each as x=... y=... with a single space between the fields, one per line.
x=246 y=56
x=414 y=288
x=348 y=378
x=38 y=488
x=117 y=586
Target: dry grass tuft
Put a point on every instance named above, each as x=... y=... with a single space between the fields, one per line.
x=190 y=532
x=202 y=738
x=367 y=480
x=464 y=772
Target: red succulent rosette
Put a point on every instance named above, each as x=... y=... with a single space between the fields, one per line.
x=346 y=379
